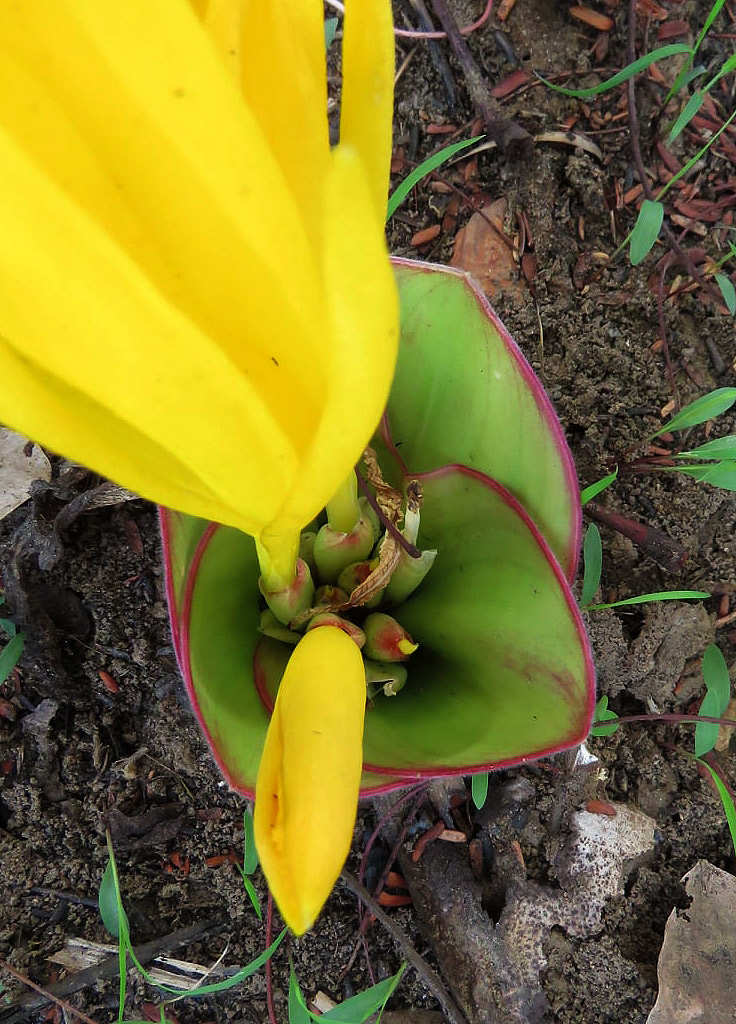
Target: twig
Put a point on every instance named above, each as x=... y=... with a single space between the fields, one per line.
x=663 y=333
x=108 y=968
x=67 y=1007
x=411 y=549
x=430 y=977
x=418 y=8
x=514 y=141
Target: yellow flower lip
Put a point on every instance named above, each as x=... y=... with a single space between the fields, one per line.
x=309 y=776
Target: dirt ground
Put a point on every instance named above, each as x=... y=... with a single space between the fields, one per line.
x=101 y=735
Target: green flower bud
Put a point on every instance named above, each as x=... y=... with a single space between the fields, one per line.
x=333 y=551
x=386 y=639
x=407 y=576
x=306 y=549
x=294 y=599
x=270 y=626
x=383 y=677
x=330 y=619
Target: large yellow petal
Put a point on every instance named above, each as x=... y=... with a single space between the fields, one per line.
x=363 y=337
x=309 y=776
x=132 y=112
x=368 y=91
x=73 y=307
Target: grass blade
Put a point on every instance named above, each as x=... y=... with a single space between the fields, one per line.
x=593 y=563
x=359 y=1008
x=425 y=167
x=687 y=113
x=646 y=230
x=250 y=853
x=728 y=807
x=702 y=409
x=727 y=291
x=722 y=474
x=663 y=595
x=593 y=490
x=623 y=76
x=718 y=448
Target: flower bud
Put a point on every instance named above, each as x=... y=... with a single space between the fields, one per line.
x=407 y=576
x=290 y=601
x=353 y=575
x=306 y=549
x=270 y=626
x=333 y=551
x=383 y=677
x=386 y=639
x=330 y=619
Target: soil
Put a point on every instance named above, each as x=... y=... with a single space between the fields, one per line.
x=99 y=733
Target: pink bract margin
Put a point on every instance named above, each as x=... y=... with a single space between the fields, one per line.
x=543 y=400
x=404 y=777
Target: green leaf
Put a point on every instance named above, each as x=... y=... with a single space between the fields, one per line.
x=217 y=986
x=593 y=490
x=330 y=30
x=727 y=291
x=479 y=788
x=663 y=595
x=10 y=655
x=111 y=909
x=8 y=626
x=717 y=679
x=687 y=113
x=359 y=1008
x=593 y=563
x=602 y=714
x=646 y=230
x=722 y=474
x=706 y=733
x=623 y=76
x=298 y=1012
x=705 y=408
x=252 y=895
x=718 y=448
x=726 y=800
x=250 y=853
x=425 y=167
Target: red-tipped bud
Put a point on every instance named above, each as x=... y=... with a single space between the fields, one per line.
x=330 y=619
x=291 y=601
x=386 y=639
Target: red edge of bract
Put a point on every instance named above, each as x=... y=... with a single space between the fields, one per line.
x=543 y=401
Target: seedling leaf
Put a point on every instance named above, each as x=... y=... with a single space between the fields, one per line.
x=298 y=1012
x=10 y=655
x=425 y=168
x=727 y=291
x=593 y=563
x=593 y=490
x=623 y=76
x=728 y=806
x=479 y=788
x=720 y=474
x=715 y=702
x=250 y=853
x=687 y=113
x=109 y=903
x=646 y=230
x=662 y=595
x=602 y=714
x=8 y=626
x=253 y=896
x=359 y=1008
x=718 y=448
x=702 y=409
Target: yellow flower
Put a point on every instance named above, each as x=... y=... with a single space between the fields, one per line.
x=195 y=297
x=195 y=294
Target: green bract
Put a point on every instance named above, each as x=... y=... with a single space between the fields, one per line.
x=503 y=672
